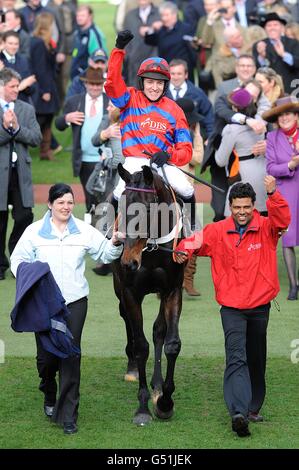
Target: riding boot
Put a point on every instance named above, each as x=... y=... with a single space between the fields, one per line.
x=289 y=256
x=45 y=146
x=189 y=272
x=190 y=203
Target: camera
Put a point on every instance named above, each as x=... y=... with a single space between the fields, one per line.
x=222 y=10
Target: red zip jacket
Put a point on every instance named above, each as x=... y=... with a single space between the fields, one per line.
x=146 y=125
x=244 y=270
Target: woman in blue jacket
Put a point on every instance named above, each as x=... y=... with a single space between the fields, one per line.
x=62 y=241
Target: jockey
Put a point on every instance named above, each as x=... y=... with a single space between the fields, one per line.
x=149 y=121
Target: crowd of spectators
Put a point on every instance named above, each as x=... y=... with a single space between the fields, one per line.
x=213 y=47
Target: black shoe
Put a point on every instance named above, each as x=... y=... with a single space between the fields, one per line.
x=48 y=411
x=2 y=274
x=70 y=428
x=255 y=417
x=102 y=270
x=293 y=293
x=240 y=425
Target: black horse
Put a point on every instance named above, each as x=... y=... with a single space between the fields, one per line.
x=147 y=266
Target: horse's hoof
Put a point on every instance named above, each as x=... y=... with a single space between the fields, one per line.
x=156 y=394
x=132 y=376
x=163 y=414
x=142 y=419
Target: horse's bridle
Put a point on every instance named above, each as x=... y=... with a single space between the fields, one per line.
x=155 y=246
x=142 y=190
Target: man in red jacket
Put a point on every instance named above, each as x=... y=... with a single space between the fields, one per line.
x=244 y=270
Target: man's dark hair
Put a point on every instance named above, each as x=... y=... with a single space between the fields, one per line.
x=59 y=190
x=8 y=74
x=175 y=62
x=242 y=190
x=86 y=7
x=9 y=34
x=16 y=13
x=245 y=56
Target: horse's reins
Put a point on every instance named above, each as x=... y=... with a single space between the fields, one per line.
x=212 y=186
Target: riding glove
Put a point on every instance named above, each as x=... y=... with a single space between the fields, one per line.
x=160 y=158
x=123 y=38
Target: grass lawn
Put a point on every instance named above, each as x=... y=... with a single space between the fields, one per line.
x=108 y=403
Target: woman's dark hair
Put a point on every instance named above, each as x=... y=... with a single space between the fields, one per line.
x=241 y=190
x=249 y=110
x=59 y=190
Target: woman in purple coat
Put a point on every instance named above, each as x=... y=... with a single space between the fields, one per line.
x=282 y=157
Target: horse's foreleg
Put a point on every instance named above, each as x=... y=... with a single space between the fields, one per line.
x=143 y=415
x=132 y=369
x=159 y=332
x=141 y=353
x=172 y=347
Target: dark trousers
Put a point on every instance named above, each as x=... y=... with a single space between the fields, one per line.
x=245 y=333
x=85 y=172
x=219 y=179
x=67 y=404
x=45 y=121
x=22 y=216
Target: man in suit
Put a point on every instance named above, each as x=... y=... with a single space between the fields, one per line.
x=84 y=113
x=278 y=51
x=137 y=20
x=181 y=87
x=172 y=37
x=218 y=20
x=193 y=11
x=245 y=69
x=246 y=12
x=10 y=57
x=19 y=129
x=13 y=22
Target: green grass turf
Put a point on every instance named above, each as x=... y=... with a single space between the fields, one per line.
x=108 y=404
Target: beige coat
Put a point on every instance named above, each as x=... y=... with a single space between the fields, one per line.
x=197 y=154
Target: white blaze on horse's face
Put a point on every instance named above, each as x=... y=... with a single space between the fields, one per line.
x=132 y=255
x=134 y=223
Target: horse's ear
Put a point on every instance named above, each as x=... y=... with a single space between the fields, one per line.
x=123 y=173
x=148 y=175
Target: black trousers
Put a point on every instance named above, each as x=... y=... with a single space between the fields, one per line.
x=67 y=404
x=85 y=172
x=22 y=216
x=245 y=333
x=218 y=178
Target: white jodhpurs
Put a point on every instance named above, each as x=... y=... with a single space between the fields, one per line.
x=176 y=178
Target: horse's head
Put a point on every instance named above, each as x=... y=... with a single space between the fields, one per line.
x=135 y=211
